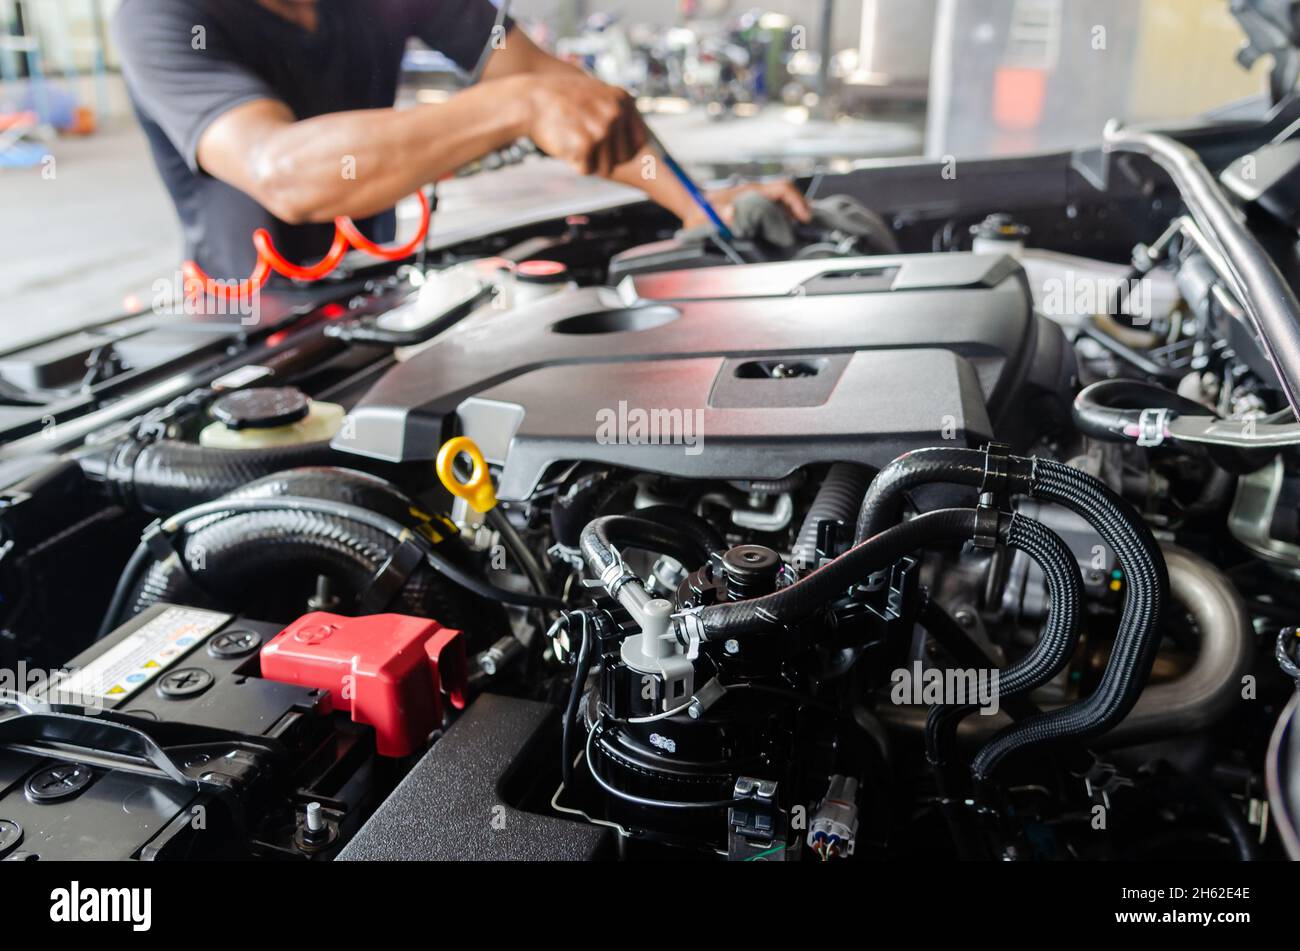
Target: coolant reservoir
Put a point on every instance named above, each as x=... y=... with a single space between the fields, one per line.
x=266 y=417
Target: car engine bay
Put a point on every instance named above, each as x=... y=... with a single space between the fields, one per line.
x=960 y=525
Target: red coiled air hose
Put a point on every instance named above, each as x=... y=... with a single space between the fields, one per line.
x=346 y=234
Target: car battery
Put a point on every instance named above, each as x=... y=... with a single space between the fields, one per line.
x=163 y=740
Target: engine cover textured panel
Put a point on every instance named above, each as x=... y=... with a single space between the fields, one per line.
x=727 y=373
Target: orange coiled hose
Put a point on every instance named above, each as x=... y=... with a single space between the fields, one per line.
x=346 y=234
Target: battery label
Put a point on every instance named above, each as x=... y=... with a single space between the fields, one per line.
x=143 y=655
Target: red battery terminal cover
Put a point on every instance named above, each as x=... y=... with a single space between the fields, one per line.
x=389 y=671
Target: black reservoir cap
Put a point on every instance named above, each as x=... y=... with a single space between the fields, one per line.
x=262 y=407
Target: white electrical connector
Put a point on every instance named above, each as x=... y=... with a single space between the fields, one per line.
x=834 y=826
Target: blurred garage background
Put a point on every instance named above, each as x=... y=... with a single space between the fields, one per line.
x=790 y=87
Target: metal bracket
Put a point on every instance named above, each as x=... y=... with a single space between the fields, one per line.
x=1101 y=780
x=756 y=825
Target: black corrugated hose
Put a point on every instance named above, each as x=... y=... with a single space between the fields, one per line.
x=1120 y=527
x=838 y=500
x=238 y=557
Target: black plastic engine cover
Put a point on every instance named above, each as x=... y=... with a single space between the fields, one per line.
x=751 y=371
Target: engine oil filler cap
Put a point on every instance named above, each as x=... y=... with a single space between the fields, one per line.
x=389 y=671
x=262 y=408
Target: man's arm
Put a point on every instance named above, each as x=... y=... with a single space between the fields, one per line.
x=295 y=169
x=350 y=163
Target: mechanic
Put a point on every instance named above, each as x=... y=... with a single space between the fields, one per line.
x=279 y=114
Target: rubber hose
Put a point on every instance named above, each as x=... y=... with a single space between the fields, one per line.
x=1054 y=648
x=770 y=612
x=702 y=534
x=1111 y=410
x=602 y=538
x=587 y=497
x=1122 y=529
x=343 y=485
x=168 y=476
x=1137 y=638
x=838 y=500
x=883 y=504
x=239 y=555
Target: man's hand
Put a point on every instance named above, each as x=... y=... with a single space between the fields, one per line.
x=781 y=192
x=596 y=129
x=592 y=126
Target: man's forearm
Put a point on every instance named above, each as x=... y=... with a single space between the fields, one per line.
x=363 y=162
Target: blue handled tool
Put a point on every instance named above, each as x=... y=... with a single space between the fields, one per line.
x=722 y=234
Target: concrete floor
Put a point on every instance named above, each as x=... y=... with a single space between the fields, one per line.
x=89 y=242
x=79 y=244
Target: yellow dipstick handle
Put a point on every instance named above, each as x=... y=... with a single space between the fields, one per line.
x=477 y=490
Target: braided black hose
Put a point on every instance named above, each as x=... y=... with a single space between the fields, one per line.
x=1122 y=529
x=1056 y=643
x=1138 y=636
x=832 y=579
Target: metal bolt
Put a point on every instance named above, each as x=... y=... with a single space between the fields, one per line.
x=323 y=599
x=315 y=821
x=732 y=646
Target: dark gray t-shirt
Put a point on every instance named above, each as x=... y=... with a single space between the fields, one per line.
x=187 y=62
